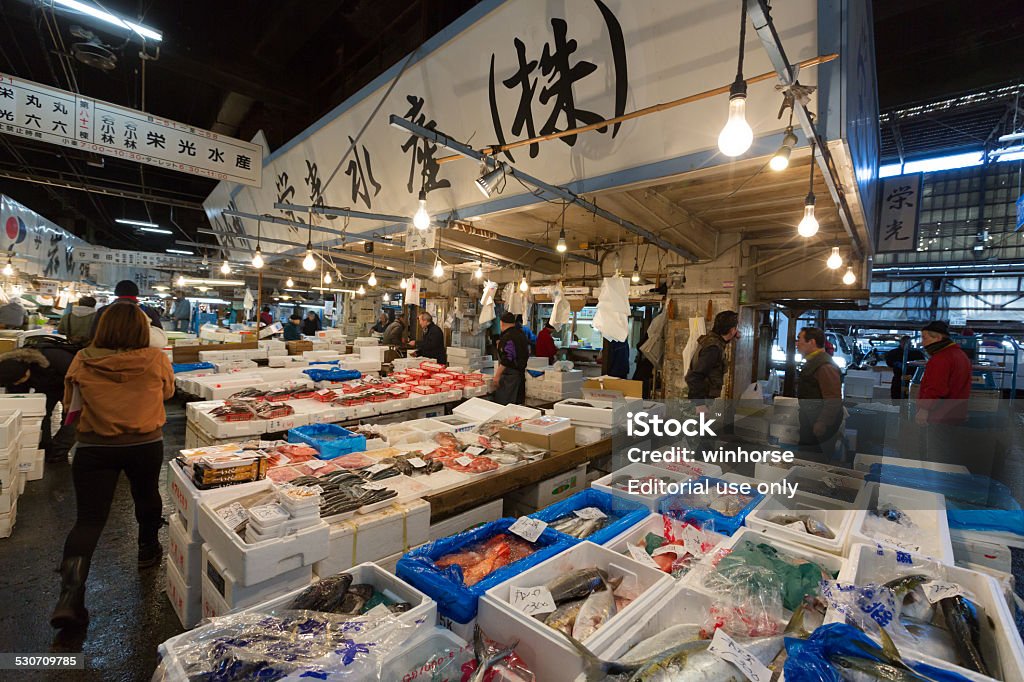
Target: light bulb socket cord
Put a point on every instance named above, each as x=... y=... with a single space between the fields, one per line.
x=809 y=199
x=422 y=195
x=738 y=88
x=789 y=139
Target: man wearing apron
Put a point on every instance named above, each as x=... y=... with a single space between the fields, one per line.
x=513 y=352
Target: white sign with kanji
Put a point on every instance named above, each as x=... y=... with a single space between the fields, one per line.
x=897 y=219
x=47 y=114
x=420 y=240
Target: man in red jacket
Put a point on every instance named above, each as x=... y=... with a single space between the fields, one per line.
x=946 y=385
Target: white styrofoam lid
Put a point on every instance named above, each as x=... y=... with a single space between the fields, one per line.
x=478 y=409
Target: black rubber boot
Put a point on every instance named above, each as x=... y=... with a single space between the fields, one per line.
x=70 y=611
x=150 y=555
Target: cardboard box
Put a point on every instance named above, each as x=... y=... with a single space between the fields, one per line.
x=552 y=442
x=626 y=387
x=298 y=347
x=551 y=490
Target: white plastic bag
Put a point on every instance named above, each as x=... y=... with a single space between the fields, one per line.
x=612 y=316
x=654 y=346
x=697 y=330
x=560 y=311
x=487 y=302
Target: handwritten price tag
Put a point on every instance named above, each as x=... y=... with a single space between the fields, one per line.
x=726 y=648
x=475 y=450
x=464 y=461
x=590 y=513
x=678 y=550
x=375 y=468
x=528 y=529
x=937 y=590
x=234 y=515
x=533 y=601
x=316 y=464
x=693 y=541
x=641 y=555
x=375 y=485
x=416 y=462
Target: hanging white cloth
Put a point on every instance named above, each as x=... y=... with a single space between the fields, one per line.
x=487 y=302
x=412 y=291
x=654 y=347
x=560 y=310
x=248 y=302
x=612 y=316
x=697 y=330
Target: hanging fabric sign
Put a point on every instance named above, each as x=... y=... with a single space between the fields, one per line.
x=897 y=223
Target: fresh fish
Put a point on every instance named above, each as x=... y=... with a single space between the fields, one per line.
x=576 y=584
x=910 y=598
x=482 y=559
x=879 y=663
x=355 y=599
x=892 y=513
x=483 y=661
x=663 y=641
x=961 y=617
x=564 y=617
x=810 y=524
x=929 y=639
x=325 y=595
x=595 y=612
x=400 y=607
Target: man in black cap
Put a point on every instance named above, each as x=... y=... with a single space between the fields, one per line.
x=42 y=369
x=513 y=354
x=431 y=345
x=127 y=290
x=707 y=371
x=946 y=385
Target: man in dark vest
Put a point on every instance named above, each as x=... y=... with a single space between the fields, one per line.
x=707 y=371
x=513 y=354
x=820 y=392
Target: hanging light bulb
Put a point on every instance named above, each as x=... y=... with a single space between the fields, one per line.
x=206 y=261
x=8 y=267
x=386 y=297
x=438 y=269
x=478 y=273
x=635 y=277
x=225 y=268
x=361 y=290
x=289 y=283
x=327 y=278
x=421 y=219
x=309 y=263
x=404 y=284
x=372 y=281
x=561 y=246
x=737 y=136
x=835 y=261
x=808 y=226
x=181 y=280
x=257 y=260
x=849 y=278
x=781 y=159
x=524 y=286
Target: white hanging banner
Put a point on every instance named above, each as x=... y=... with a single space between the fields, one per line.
x=901 y=206
x=420 y=240
x=47 y=114
x=48 y=249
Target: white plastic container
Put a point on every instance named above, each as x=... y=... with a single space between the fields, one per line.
x=870 y=564
x=654 y=523
x=374 y=536
x=988 y=554
x=185 y=497
x=432 y=653
x=230 y=593
x=863 y=462
x=185 y=600
x=603 y=413
x=252 y=563
x=927 y=511
x=635 y=472
x=225 y=429
x=548 y=651
x=186 y=556
x=29 y=404
x=851 y=492
x=839 y=521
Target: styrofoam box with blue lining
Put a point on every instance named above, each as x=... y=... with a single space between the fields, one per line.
x=340 y=441
x=637 y=472
x=680 y=507
x=622 y=513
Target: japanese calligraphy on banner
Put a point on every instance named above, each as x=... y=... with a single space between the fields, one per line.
x=897 y=222
x=47 y=249
x=515 y=69
x=418 y=240
x=87 y=255
x=1020 y=212
x=43 y=113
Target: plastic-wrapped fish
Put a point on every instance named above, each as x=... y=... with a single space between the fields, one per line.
x=807 y=522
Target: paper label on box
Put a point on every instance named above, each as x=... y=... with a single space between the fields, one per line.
x=416 y=462
x=641 y=555
x=726 y=648
x=376 y=467
x=315 y=464
x=464 y=461
x=325 y=391
x=375 y=485
x=590 y=513
x=937 y=590
x=533 y=601
x=903 y=544
x=234 y=515
x=527 y=528
x=693 y=540
x=474 y=450
x=678 y=550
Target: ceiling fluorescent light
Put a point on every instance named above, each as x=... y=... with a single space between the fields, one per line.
x=136 y=223
x=102 y=15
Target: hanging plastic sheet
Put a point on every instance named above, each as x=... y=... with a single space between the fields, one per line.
x=487 y=302
x=560 y=311
x=248 y=301
x=654 y=346
x=612 y=316
x=697 y=330
x=412 y=291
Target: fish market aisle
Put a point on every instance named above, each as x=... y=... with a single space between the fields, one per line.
x=130 y=614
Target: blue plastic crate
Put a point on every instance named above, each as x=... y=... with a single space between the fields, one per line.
x=623 y=513
x=342 y=441
x=678 y=508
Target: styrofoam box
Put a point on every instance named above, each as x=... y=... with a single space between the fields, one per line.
x=461 y=352
x=235 y=596
x=374 y=536
x=223 y=429
x=36 y=465
x=863 y=462
x=374 y=354
x=653 y=523
x=185 y=497
x=426 y=653
x=252 y=563
x=637 y=471
x=551 y=490
x=927 y=511
x=547 y=650
x=693 y=469
x=588 y=435
x=186 y=556
x=987 y=554
x=839 y=521
x=868 y=564
x=604 y=413
x=29 y=404
x=10 y=427
x=186 y=601
x=466 y=520
x=805 y=476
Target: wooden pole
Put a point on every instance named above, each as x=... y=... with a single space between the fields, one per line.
x=768 y=75
x=259 y=301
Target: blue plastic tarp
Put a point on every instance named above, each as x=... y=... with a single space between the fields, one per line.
x=810 y=660
x=681 y=508
x=340 y=442
x=454 y=599
x=332 y=374
x=622 y=514
x=973 y=502
x=191 y=366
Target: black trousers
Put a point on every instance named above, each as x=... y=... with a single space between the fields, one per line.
x=95 y=472
x=57 y=445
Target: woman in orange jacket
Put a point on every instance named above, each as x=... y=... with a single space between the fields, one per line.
x=115 y=390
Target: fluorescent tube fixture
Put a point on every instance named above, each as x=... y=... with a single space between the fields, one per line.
x=181 y=251
x=102 y=15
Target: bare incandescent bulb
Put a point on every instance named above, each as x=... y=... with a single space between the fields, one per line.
x=835 y=261
x=737 y=136
x=257 y=260
x=309 y=263
x=438 y=269
x=404 y=283
x=523 y=284
x=327 y=278
x=808 y=226
x=372 y=281
x=421 y=219
x=225 y=268
x=478 y=273
x=361 y=290
x=849 y=278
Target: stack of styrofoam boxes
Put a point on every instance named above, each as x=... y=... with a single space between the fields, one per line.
x=273 y=348
x=860 y=384
x=380 y=536
x=33 y=410
x=465 y=359
x=10 y=447
x=555 y=386
x=237 y=574
x=334 y=338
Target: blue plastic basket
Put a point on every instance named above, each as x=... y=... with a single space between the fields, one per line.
x=343 y=441
x=179 y=367
x=677 y=508
x=624 y=514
